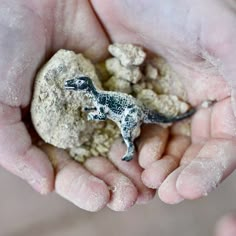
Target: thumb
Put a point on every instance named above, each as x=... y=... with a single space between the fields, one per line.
x=19 y=156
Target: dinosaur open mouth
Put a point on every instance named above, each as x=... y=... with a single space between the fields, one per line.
x=70 y=85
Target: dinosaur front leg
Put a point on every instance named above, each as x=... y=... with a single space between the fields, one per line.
x=97 y=115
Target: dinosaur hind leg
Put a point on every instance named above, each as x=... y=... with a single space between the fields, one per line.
x=127 y=137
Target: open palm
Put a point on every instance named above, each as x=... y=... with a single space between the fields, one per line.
x=31 y=31
x=201 y=48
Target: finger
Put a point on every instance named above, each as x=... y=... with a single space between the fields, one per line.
x=157 y=172
x=132 y=170
x=154 y=175
x=177 y=146
x=151 y=144
x=215 y=161
x=167 y=191
x=76 y=184
x=226 y=226
x=181 y=128
x=19 y=156
x=123 y=192
x=191 y=153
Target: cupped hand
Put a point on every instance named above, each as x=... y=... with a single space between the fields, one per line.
x=199 y=48
x=30 y=32
x=198 y=39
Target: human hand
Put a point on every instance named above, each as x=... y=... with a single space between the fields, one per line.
x=226 y=226
x=30 y=32
x=201 y=47
x=34 y=44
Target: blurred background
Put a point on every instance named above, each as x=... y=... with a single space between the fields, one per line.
x=23 y=212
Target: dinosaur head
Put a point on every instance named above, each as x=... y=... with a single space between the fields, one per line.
x=82 y=83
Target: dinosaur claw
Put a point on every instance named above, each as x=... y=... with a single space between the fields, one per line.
x=86 y=109
x=127 y=158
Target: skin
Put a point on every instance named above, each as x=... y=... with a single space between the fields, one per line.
x=199 y=45
x=226 y=226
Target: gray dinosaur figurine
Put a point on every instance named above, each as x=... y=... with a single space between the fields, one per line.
x=126 y=111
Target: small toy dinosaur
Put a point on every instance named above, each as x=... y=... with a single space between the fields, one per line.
x=127 y=112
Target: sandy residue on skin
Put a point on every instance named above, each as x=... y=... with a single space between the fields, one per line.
x=124 y=193
x=205 y=173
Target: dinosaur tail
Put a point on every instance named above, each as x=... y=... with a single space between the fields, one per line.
x=156 y=117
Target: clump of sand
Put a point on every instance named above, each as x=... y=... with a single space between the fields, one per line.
x=57 y=113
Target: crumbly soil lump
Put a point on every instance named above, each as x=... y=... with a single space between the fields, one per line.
x=57 y=113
